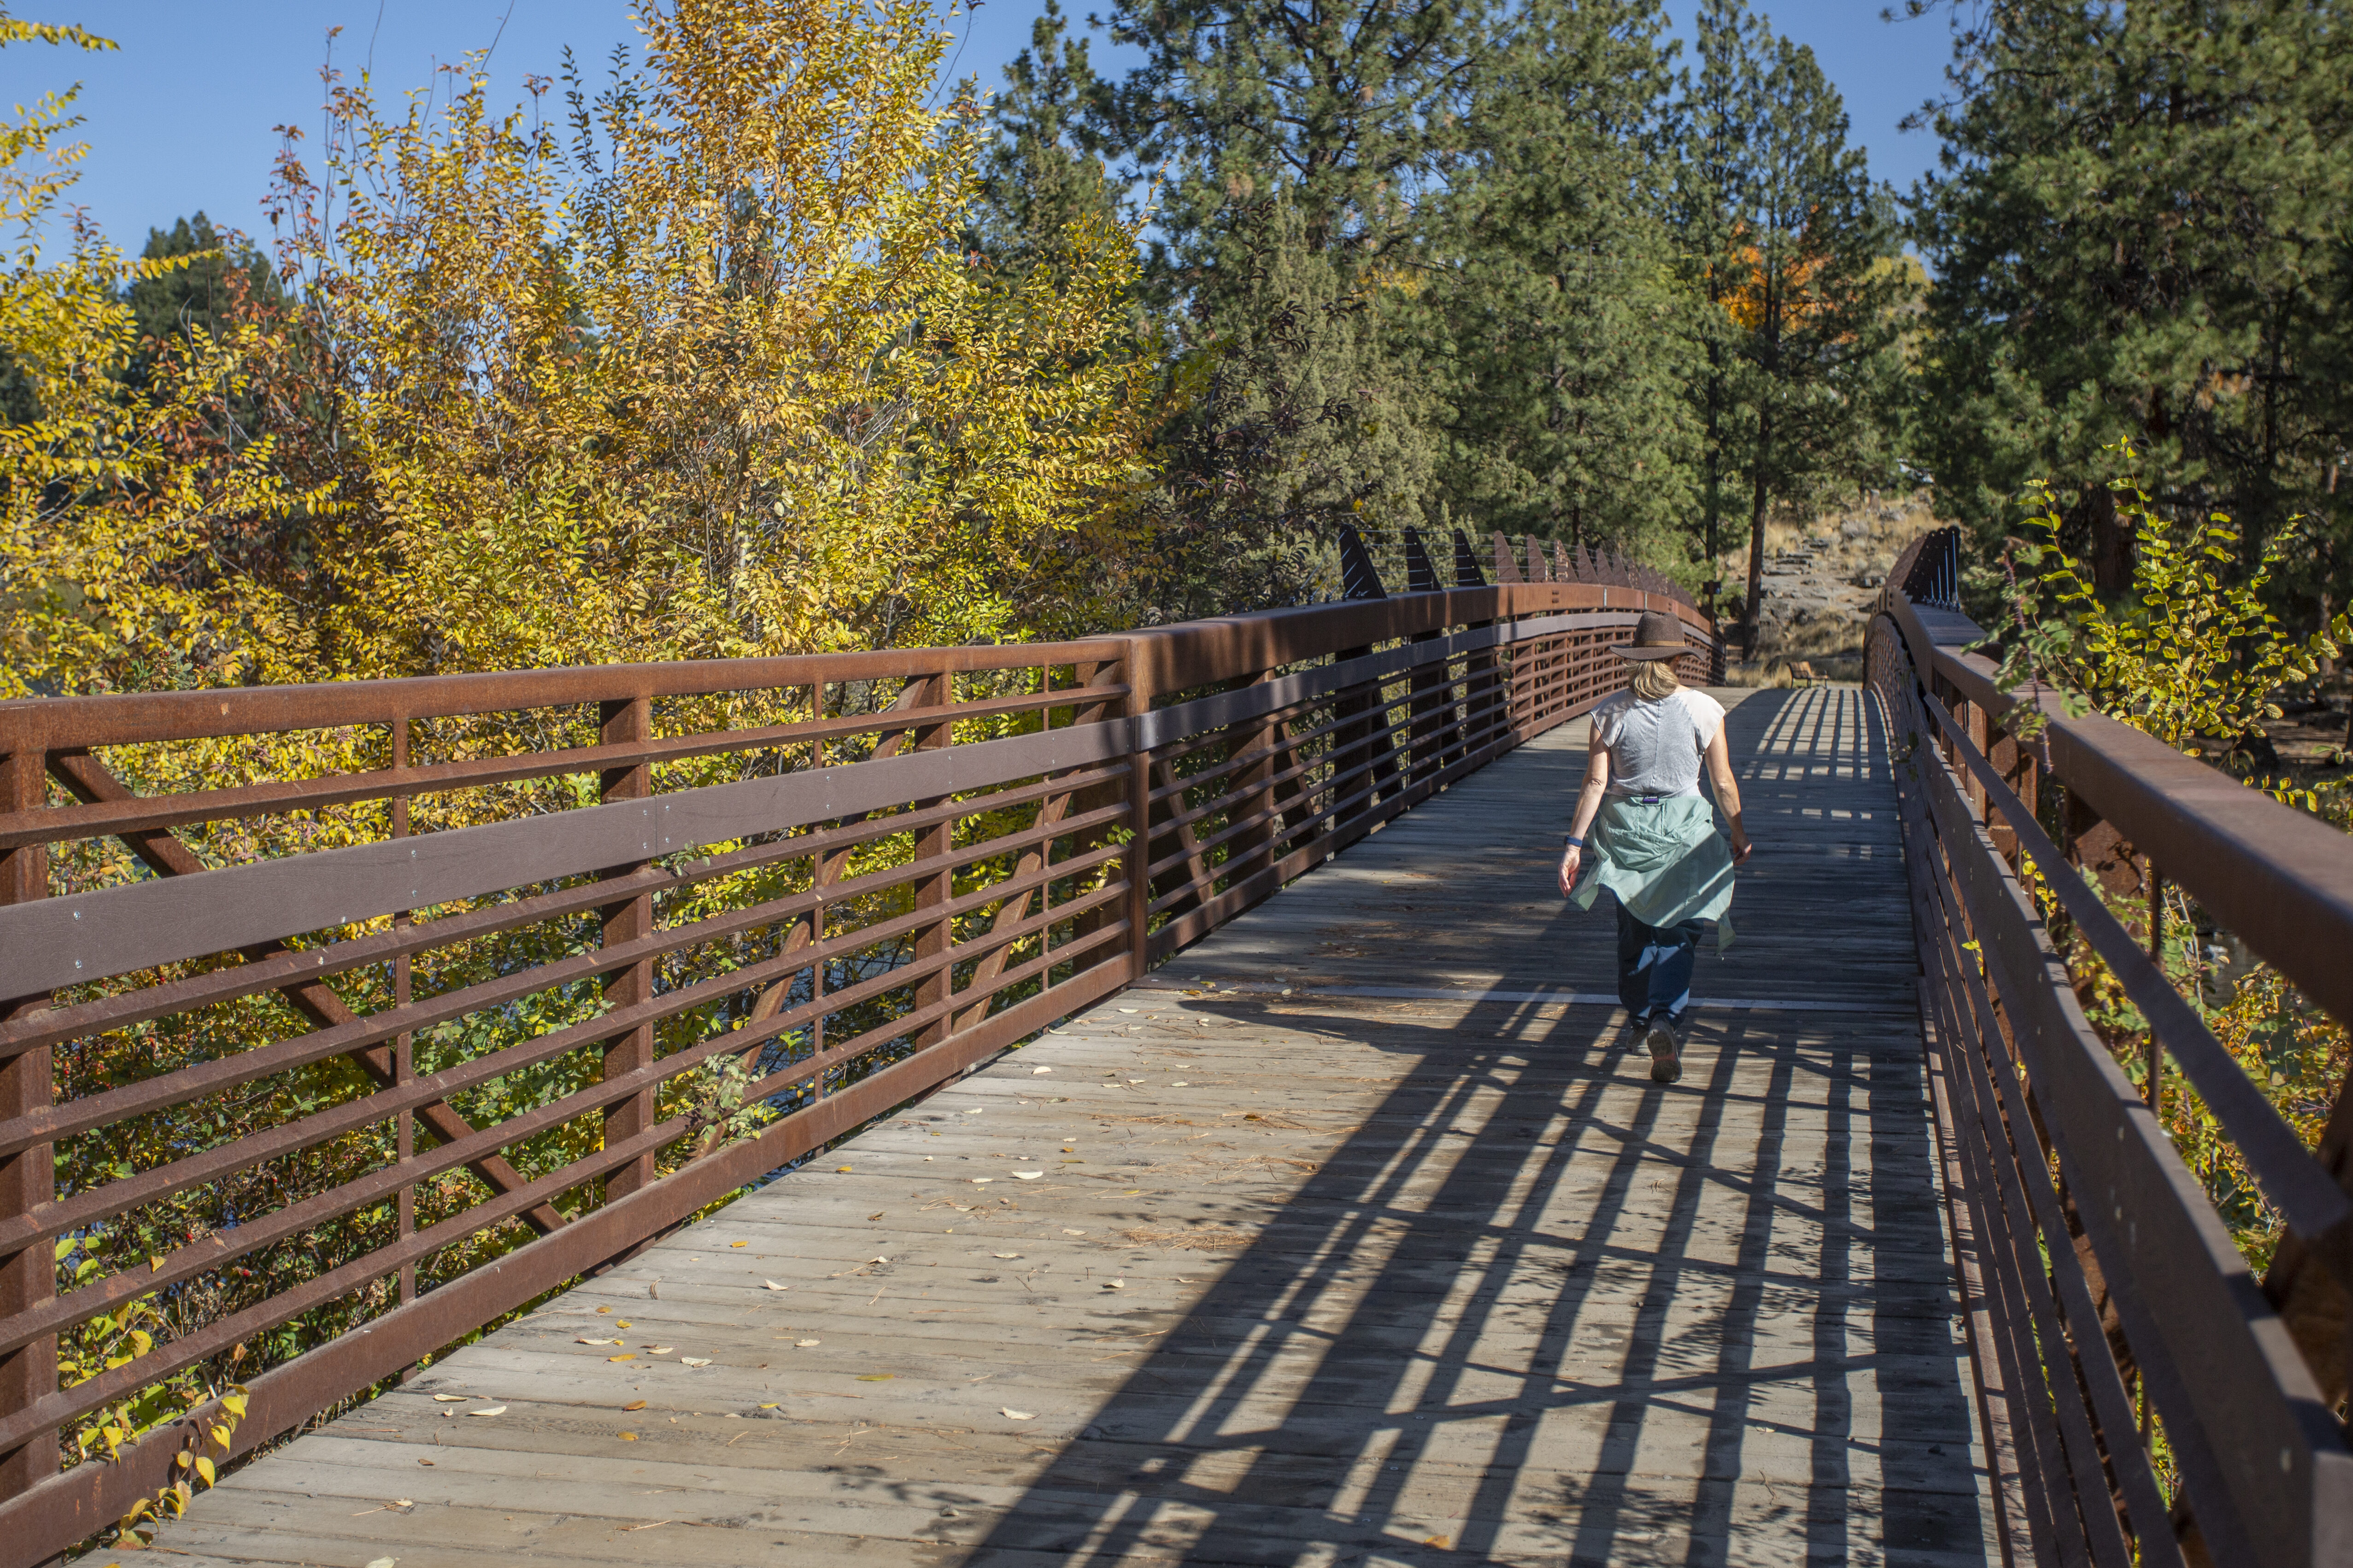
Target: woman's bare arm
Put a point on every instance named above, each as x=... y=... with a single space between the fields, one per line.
x=1727 y=796
x=1588 y=807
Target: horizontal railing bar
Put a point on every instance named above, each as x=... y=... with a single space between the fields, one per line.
x=2106 y=1386
x=60 y=1312
x=71 y=941
x=2171 y=1396
x=53 y=825
x=2312 y=1205
x=2278 y=879
x=58 y=1513
x=53 y=723
x=2248 y=1384
x=1313 y=823
x=898 y=1029
x=1255 y=702
x=184 y=1084
x=53 y=1025
x=1203 y=653
x=1321 y=847
x=49 y=1221
x=1296 y=772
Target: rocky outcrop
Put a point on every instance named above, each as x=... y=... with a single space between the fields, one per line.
x=1820 y=580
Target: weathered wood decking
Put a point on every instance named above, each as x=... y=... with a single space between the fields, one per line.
x=1376 y=1252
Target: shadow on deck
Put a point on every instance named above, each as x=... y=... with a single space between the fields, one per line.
x=1421 y=1267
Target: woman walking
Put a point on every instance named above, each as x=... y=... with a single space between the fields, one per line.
x=1643 y=832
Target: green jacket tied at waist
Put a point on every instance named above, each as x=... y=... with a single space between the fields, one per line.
x=1664 y=860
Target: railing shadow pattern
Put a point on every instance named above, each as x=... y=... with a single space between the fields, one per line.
x=1592 y=1372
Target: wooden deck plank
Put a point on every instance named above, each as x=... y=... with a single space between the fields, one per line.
x=1318 y=1278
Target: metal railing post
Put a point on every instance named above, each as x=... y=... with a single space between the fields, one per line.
x=28 y=1179
x=933 y=892
x=1138 y=860
x=623 y=722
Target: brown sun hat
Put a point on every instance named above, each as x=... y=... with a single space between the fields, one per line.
x=1655 y=636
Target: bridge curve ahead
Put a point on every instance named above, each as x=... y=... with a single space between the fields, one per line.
x=1354 y=1233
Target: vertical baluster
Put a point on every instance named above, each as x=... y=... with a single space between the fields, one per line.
x=2154 y=1066
x=933 y=891
x=626 y=723
x=28 y=1179
x=824 y=872
x=1250 y=792
x=404 y=1065
x=1137 y=861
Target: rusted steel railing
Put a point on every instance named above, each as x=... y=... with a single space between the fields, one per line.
x=2101 y=1284
x=393 y=1049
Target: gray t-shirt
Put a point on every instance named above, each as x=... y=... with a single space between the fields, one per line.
x=1655 y=747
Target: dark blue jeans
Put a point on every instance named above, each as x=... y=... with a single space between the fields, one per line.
x=1654 y=966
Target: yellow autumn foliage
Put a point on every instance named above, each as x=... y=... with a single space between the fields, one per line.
x=691 y=364
x=110 y=501
x=687 y=363
x=702 y=372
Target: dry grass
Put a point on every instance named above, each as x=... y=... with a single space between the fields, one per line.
x=1853 y=549
x=1208 y=1238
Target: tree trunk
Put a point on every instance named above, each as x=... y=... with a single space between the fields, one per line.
x=2111 y=545
x=1756 y=567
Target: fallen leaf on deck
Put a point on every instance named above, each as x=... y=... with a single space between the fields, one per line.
x=773 y=1286
x=1034 y=1072
x=1180 y=1083
x=1130 y=1009
x=635 y=1405
x=655 y=1350
x=604 y=1308
x=382 y=1563
x=622 y=1324
x=425 y=1461
x=877 y=1214
x=841 y=1170
x=1012 y=1415
x=739 y=1244
x=1068 y=1231
x=693 y=1360
x=1027 y=1176
x=462 y=1399
x=982 y=1180
x=768 y=1407
x=493 y=1410
x=630 y=1356
x=583 y=1343
x=1004 y=1255
x=807 y=1344
x=877 y=1376
x=1437 y=1541
x=629 y=1437
x=1116 y=1285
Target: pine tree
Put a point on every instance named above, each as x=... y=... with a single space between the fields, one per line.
x=1807 y=281
x=1043 y=172
x=1287 y=146
x=2138 y=236
x=227 y=277
x=1556 y=322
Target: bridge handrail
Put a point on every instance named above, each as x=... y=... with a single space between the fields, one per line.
x=2119 y=1277
x=961 y=846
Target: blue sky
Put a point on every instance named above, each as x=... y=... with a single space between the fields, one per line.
x=181 y=118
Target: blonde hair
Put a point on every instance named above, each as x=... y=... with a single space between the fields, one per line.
x=1654 y=679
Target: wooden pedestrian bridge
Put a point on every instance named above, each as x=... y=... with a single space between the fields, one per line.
x=1140 y=1100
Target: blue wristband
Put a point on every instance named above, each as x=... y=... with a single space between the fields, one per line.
x=1572 y=841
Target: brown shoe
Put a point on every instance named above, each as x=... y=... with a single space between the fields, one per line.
x=1665 y=1067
